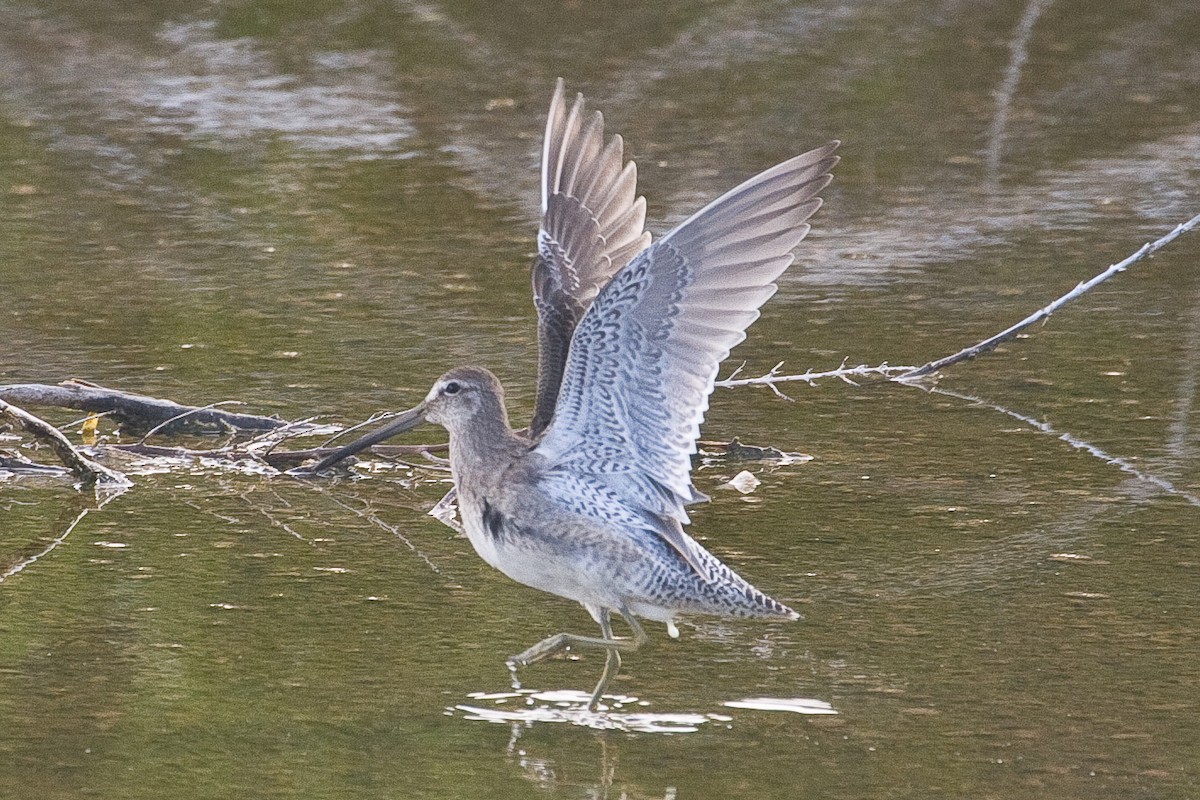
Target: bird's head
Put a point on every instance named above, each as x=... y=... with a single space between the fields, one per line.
x=463 y=397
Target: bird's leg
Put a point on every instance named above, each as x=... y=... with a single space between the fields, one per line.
x=612 y=659
x=613 y=646
x=639 y=633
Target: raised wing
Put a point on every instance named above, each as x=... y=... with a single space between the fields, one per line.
x=644 y=357
x=592 y=225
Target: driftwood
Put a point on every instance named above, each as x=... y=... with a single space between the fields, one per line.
x=135 y=411
x=84 y=468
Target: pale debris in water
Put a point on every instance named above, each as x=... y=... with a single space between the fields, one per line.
x=672 y=630
x=744 y=482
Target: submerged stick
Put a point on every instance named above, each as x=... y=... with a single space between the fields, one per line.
x=1043 y=313
x=87 y=470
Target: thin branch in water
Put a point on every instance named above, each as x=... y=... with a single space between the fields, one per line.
x=188 y=413
x=23 y=563
x=1044 y=313
x=382 y=415
x=1079 y=444
x=367 y=514
x=293 y=430
x=843 y=373
x=245 y=496
x=101 y=502
x=87 y=470
x=81 y=420
x=223 y=517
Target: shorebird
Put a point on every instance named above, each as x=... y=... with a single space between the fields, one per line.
x=590 y=503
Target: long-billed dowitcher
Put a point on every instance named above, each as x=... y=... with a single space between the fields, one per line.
x=590 y=503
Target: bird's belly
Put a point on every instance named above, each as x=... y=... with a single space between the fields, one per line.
x=549 y=563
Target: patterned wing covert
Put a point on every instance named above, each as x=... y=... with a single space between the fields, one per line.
x=644 y=357
x=592 y=225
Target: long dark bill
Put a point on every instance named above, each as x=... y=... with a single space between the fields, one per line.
x=405 y=421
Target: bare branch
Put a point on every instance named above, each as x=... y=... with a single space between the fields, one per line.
x=382 y=415
x=1044 y=313
x=190 y=412
x=843 y=372
x=87 y=470
x=134 y=410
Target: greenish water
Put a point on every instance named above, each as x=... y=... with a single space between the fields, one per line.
x=314 y=208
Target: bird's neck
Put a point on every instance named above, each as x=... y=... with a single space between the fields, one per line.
x=481 y=449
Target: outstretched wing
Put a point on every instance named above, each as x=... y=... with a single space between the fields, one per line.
x=644 y=357
x=592 y=225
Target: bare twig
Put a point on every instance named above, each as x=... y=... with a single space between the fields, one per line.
x=1041 y=314
x=359 y=426
x=905 y=374
x=292 y=430
x=66 y=426
x=275 y=521
x=368 y=514
x=87 y=470
x=184 y=415
x=843 y=372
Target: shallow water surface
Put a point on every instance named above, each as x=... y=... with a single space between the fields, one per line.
x=317 y=208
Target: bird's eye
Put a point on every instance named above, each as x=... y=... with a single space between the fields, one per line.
x=453 y=387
